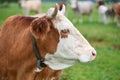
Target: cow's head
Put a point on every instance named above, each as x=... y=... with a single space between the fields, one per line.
x=99 y=3
x=72 y=46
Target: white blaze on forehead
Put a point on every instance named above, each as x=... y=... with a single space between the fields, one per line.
x=70 y=50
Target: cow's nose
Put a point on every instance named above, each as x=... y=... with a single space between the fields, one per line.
x=93 y=53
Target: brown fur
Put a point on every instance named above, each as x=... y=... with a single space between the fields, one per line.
x=0 y=30
x=17 y=59
x=117 y=9
x=117 y=13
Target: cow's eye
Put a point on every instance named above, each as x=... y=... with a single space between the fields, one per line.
x=64 y=33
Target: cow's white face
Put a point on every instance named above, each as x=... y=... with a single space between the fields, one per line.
x=72 y=47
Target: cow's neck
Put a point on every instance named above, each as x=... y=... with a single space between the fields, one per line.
x=40 y=60
x=26 y=57
x=46 y=73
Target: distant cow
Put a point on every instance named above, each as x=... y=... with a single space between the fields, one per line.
x=117 y=13
x=82 y=8
x=50 y=41
x=104 y=12
x=30 y=5
x=110 y=12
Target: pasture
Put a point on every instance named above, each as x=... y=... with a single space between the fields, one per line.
x=105 y=39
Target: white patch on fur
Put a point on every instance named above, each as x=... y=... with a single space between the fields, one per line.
x=38 y=70
x=53 y=78
x=75 y=48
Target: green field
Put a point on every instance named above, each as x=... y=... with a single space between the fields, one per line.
x=105 y=39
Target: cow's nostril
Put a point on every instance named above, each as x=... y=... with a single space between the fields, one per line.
x=93 y=53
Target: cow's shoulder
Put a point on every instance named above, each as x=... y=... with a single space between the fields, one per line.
x=17 y=22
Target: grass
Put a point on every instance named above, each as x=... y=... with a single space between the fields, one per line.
x=105 y=39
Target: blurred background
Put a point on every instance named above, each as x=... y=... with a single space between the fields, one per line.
x=100 y=25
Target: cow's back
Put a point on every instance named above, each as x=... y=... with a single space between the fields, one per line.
x=11 y=32
x=16 y=23
x=11 y=29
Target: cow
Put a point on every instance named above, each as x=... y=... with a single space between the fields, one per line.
x=30 y=5
x=117 y=13
x=82 y=8
x=110 y=12
x=105 y=13
x=39 y=48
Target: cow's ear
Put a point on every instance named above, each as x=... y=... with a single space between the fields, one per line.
x=63 y=9
x=52 y=12
x=40 y=27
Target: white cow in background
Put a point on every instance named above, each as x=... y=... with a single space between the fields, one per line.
x=81 y=8
x=30 y=5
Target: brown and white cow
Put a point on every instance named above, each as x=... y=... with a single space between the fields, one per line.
x=60 y=45
x=105 y=13
x=117 y=13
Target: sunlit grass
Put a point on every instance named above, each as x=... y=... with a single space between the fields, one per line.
x=104 y=38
